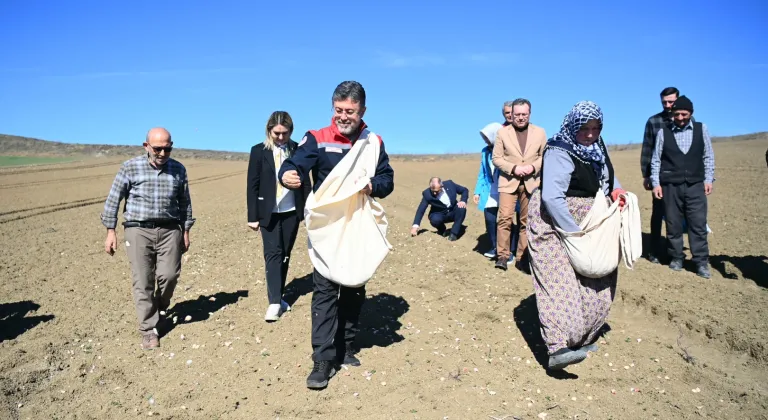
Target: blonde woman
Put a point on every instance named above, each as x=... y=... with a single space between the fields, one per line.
x=274 y=210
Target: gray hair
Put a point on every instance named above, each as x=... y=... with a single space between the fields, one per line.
x=349 y=90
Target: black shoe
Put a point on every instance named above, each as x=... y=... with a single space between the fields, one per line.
x=501 y=263
x=703 y=271
x=452 y=238
x=321 y=373
x=676 y=264
x=653 y=259
x=349 y=357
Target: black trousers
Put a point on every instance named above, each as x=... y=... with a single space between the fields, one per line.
x=686 y=202
x=278 y=239
x=335 y=318
x=657 y=217
x=455 y=215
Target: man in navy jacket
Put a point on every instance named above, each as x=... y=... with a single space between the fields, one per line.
x=335 y=308
x=441 y=196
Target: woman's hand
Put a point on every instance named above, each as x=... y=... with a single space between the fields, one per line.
x=615 y=195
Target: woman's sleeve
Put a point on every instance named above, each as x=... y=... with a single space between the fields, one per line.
x=555 y=181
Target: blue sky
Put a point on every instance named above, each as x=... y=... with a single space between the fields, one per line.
x=435 y=72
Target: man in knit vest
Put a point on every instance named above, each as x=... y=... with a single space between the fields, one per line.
x=682 y=173
x=655 y=123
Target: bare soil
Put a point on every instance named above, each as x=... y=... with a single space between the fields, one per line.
x=444 y=334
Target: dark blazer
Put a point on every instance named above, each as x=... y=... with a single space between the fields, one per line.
x=437 y=206
x=262 y=185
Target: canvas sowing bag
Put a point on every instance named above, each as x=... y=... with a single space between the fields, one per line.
x=631 y=231
x=606 y=234
x=594 y=251
x=347 y=229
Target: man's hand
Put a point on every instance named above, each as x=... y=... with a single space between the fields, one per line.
x=523 y=171
x=527 y=170
x=254 y=226
x=659 y=195
x=647 y=184
x=414 y=231
x=707 y=189
x=616 y=195
x=461 y=205
x=476 y=199
x=186 y=242
x=110 y=244
x=291 y=179
x=368 y=189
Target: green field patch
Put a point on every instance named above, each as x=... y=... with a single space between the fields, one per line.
x=32 y=160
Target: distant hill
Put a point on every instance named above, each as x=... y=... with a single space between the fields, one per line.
x=26 y=146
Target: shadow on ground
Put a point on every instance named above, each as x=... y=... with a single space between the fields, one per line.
x=12 y=318
x=751 y=267
x=527 y=319
x=199 y=309
x=379 y=321
x=297 y=288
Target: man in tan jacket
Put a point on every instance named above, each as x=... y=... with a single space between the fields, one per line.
x=517 y=153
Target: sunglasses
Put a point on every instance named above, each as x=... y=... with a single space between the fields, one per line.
x=162 y=149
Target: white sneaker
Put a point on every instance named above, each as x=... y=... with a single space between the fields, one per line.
x=490 y=254
x=273 y=312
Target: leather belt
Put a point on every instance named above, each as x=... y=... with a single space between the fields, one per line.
x=153 y=224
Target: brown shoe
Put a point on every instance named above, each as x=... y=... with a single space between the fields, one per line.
x=501 y=263
x=150 y=341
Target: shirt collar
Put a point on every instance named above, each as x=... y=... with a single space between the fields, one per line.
x=159 y=168
x=688 y=126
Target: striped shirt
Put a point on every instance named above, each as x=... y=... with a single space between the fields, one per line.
x=684 y=139
x=150 y=194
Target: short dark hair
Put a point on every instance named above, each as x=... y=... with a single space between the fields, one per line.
x=349 y=90
x=521 y=101
x=670 y=91
x=518 y=101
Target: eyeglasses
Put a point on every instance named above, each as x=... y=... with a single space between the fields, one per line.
x=162 y=149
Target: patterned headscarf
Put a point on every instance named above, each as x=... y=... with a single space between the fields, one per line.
x=572 y=123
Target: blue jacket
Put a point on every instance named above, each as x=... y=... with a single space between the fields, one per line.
x=484 y=177
x=321 y=150
x=437 y=206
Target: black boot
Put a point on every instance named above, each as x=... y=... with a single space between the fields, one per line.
x=321 y=373
x=349 y=356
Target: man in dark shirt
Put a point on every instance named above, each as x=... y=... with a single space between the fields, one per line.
x=655 y=123
x=157 y=220
x=335 y=308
